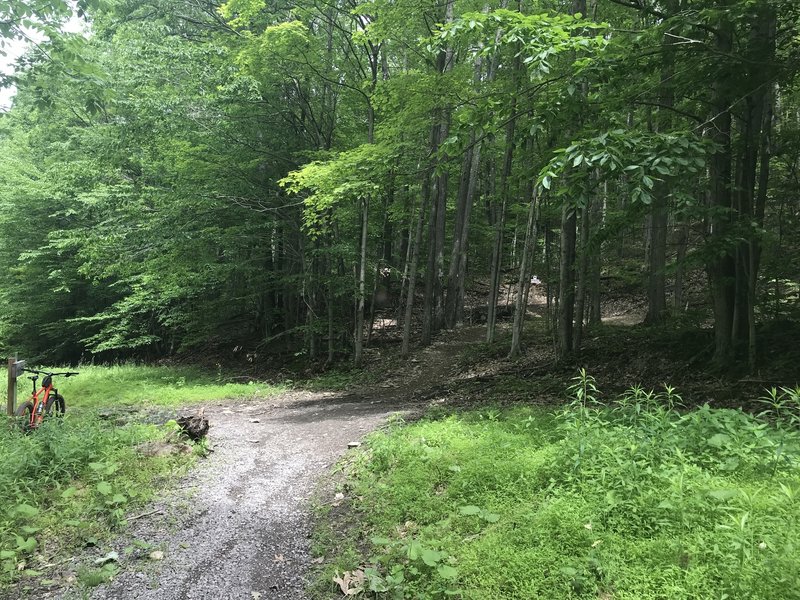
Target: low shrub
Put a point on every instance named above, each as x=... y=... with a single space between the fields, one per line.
x=628 y=499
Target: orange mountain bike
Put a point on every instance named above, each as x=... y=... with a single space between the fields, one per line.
x=45 y=401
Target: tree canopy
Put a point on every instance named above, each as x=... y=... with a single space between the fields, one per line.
x=271 y=176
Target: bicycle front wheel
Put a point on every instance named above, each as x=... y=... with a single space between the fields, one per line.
x=24 y=412
x=55 y=406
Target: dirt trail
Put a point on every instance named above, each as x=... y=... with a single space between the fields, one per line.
x=238 y=526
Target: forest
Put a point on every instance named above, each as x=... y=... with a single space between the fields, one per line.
x=483 y=299
x=288 y=179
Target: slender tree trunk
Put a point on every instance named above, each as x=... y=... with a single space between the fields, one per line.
x=566 y=293
x=583 y=274
x=722 y=267
x=524 y=282
x=407 y=245
x=362 y=277
x=412 y=276
x=458 y=262
x=596 y=258
x=680 y=267
x=500 y=221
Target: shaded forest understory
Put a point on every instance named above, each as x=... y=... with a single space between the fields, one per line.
x=297 y=185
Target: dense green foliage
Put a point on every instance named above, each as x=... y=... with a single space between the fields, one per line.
x=258 y=176
x=69 y=485
x=631 y=500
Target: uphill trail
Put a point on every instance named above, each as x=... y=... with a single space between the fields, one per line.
x=238 y=526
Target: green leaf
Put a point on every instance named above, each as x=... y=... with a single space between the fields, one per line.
x=723 y=495
x=414 y=550
x=6 y=554
x=431 y=557
x=25 y=544
x=380 y=541
x=490 y=517
x=469 y=510
x=26 y=510
x=69 y=493
x=447 y=572
x=104 y=488
x=719 y=440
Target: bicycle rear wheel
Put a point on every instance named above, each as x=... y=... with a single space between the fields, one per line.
x=55 y=406
x=24 y=412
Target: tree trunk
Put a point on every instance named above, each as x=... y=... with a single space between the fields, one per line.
x=583 y=272
x=566 y=285
x=524 y=281
x=680 y=267
x=466 y=198
x=362 y=276
x=596 y=257
x=412 y=276
x=500 y=219
x=722 y=267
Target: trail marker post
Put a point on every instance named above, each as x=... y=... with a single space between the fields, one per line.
x=14 y=369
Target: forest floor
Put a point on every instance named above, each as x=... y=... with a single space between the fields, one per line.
x=239 y=525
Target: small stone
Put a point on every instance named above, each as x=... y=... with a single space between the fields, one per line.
x=254 y=441
x=255 y=421
x=156 y=555
x=353 y=444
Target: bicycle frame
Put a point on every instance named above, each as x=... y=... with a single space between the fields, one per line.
x=39 y=399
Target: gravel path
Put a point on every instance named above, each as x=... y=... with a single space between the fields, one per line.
x=239 y=525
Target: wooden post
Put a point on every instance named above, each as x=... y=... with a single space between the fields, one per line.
x=12 y=386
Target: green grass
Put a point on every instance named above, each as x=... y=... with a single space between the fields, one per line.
x=634 y=500
x=69 y=484
x=108 y=386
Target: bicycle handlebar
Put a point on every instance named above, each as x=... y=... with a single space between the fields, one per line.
x=65 y=373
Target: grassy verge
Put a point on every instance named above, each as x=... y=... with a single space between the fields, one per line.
x=68 y=485
x=632 y=500
x=107 y=386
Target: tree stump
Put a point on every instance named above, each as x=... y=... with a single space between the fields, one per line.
x=194 y=427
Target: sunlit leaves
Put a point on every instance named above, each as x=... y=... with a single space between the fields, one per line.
x=632 y=159
x=537 y=39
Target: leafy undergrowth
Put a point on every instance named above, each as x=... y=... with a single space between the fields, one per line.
x=341 y=378
x=631 y=499
x=623 y=356
x=68 y=485
x=107 y=386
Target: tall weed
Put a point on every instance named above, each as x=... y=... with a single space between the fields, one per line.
x=632 y=498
